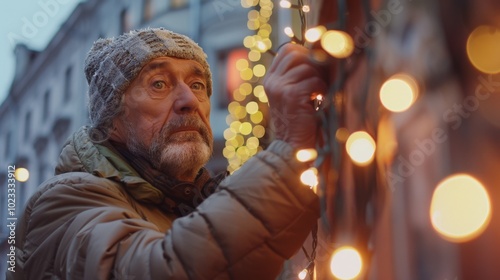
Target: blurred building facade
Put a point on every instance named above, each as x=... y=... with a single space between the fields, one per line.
x=47 y=99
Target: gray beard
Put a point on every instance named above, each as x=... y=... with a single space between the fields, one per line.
x=179 y=155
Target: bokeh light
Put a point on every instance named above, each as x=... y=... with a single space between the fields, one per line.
x=289 y=32
x=22 y=174
x=302 y=274
x=460 y=208
x=310 y=177
x=361 y=148
x=314 y=34
x=482 y=49
x=285 y=4
x=346 y=263
x=398 y=93
x=337 y=43
x=306 y=155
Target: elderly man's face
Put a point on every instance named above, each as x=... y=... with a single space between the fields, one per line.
x=166 y=117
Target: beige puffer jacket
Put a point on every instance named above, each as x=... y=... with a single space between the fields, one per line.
x=97 y=219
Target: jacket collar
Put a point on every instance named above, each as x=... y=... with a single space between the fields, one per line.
x=103 y=160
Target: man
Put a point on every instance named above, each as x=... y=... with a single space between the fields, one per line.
x=131 y=199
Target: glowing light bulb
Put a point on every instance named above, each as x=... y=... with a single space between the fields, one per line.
x=285 y=4
x=305 y=155
x=303 y=274
x=261 y=46
x=337 y=43
x=306 y=8
x=361 y=148
x=22 y=174
x=245 y=128
x=289 y=32
x=309 y=177
x=482 y=49
x=460 y=208
x=346 y=263
x=259 y=70
x=252 y=107
x=314 y=34
x=398 y=93
x=241 y=64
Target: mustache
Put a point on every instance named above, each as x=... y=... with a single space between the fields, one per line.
x=187 y=122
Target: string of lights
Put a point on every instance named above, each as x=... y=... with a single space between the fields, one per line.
x=344 y=160
x=246 y=111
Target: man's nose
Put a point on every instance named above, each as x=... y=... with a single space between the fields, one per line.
x=186 y=101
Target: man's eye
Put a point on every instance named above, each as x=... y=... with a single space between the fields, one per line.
x=198 y=86
x=159 y=85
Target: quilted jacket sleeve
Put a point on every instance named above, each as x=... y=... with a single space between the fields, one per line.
x=259 y=217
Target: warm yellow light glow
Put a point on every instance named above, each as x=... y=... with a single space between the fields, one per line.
x=267 y=27
x=482 y=48
x=259 y=70
x=306 y=8
x=253 y=15
x=285 y=4
x=261 y=46
x=263 y=33
x=257 y=117
x=259 y=131
x=303 y=274
x=289 y=32
x=238 y=95
x=240 y=112
x=253 y=143
x=249 y=3
x=361 y=148
x=249 y=42
x=305 y=155
x=241 y=64
x=246 y=128
x=252 y=107
x=314 y=34
x=246 y=74
x=263 y=99
x=258 y=91
x=460 y=208
x=242 y=137
x=342 y=134
x=398 y=93
x=245 y=88
x=229 y=134
x=337 y=43
x=310 y=177
x=228 y=152
x=22 y=174
x=346 y=263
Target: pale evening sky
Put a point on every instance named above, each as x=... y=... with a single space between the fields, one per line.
x=33 y=22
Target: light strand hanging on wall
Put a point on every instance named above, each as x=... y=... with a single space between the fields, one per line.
x=329 y=153
x=246 y=112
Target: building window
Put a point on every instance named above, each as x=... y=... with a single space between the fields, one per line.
x=46 y=105
x=27 y=126
x=67 y=83
x=125 y=22
x=147 y=13
x=178 y=3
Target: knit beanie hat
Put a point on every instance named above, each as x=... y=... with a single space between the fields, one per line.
x=113 y=63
